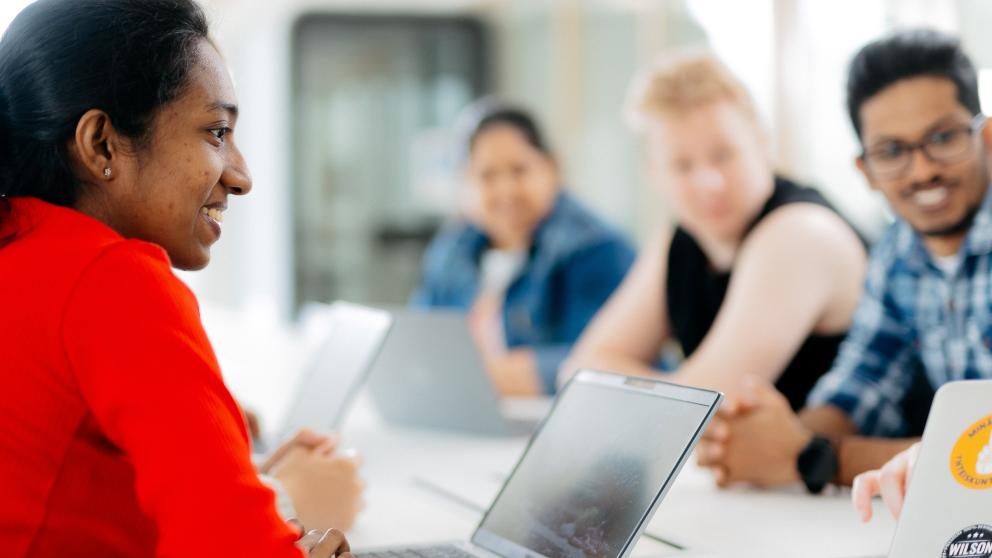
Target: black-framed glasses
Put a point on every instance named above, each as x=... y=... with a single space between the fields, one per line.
x=948 y=145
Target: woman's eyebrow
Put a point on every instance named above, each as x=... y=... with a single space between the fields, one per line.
x=230 y=108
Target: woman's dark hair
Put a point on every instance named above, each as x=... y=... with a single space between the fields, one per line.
x=516 y=118
x=61 y=58
x=909 y=54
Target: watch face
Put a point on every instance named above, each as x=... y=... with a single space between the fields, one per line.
x=818 y=464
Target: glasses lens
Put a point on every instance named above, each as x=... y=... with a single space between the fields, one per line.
x=888 y=159
x=948 y=145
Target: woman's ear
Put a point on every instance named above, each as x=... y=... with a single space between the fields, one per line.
x=555 y=169
x=468 y=197
x=96 y=147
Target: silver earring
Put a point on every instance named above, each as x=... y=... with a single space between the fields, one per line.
x=107 y=172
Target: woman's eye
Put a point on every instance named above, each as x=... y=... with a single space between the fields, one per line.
x=220 y=133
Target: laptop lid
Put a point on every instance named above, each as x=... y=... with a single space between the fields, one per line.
x=431 y=375
x=335 y=376
x=593 y=475
x=948 y=506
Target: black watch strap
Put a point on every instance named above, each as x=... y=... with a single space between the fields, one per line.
x=818 y=464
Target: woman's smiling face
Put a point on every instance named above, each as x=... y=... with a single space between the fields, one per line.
x=173 y=189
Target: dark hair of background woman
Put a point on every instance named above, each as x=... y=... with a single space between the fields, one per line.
x=61 y=58
x=516 y=118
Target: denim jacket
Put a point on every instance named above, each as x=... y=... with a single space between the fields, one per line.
x=574 y=264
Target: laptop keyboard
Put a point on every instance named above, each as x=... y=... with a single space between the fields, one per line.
x=445 y=551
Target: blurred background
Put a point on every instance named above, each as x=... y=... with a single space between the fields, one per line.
x=349 y=110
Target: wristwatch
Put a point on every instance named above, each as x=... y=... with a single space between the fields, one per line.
x=818 y=464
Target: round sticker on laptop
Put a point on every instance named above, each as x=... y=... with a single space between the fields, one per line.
x=971 y=542
x=971 y=459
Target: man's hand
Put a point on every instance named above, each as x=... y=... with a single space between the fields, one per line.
x=890 y=482
x=755 y=438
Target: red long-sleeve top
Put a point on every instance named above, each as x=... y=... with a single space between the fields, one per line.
x=117 y=434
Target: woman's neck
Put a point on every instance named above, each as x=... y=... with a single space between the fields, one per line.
x=515 y=246
x=509 y=243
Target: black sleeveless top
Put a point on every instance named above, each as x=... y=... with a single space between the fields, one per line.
x=695 y=292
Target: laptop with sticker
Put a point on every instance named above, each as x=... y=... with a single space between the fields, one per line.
x=948 y=508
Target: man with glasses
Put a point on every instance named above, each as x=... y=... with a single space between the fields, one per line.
x=927 y=307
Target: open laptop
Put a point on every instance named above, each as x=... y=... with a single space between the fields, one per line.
x=592 y=476
x=430 y=374
x=948 y=507
x=354 y=335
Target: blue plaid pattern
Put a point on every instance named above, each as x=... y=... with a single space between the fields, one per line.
x=913 y=317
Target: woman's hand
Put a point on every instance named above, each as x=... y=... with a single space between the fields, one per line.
x=323 y=484
x=512 y=371
x=325 y=544
x=891 y=482
x=304 y=438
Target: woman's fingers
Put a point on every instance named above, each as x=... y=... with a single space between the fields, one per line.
x=310 y=540
x=866 y=486
x=892 y=485
x=333 y=543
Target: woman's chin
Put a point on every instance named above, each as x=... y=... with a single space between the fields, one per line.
x=192 y=261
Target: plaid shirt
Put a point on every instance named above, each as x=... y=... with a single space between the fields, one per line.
x=913 y=317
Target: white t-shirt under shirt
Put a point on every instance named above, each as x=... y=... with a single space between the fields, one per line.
x=499 y=268
x=948 y=264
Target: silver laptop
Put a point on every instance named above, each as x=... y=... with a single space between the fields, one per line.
x=354 y=335
x=430 y=374
x=948 y=507
x=592 y=476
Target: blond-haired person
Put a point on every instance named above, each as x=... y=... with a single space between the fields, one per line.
x=759 y=277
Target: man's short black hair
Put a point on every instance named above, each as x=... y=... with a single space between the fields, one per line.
x=908 y=54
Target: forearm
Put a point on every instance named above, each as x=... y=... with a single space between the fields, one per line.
x=607 y=361
x=856 y=454
x=828 y=421
x=515 y=373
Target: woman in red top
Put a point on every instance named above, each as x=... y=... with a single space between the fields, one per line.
x=117 y=157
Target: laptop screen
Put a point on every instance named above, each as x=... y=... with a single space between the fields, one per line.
x=593 y=473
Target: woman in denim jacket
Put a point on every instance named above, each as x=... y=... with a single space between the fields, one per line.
x=527 y=261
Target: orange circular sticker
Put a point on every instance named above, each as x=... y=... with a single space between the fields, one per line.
x=971 y=460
